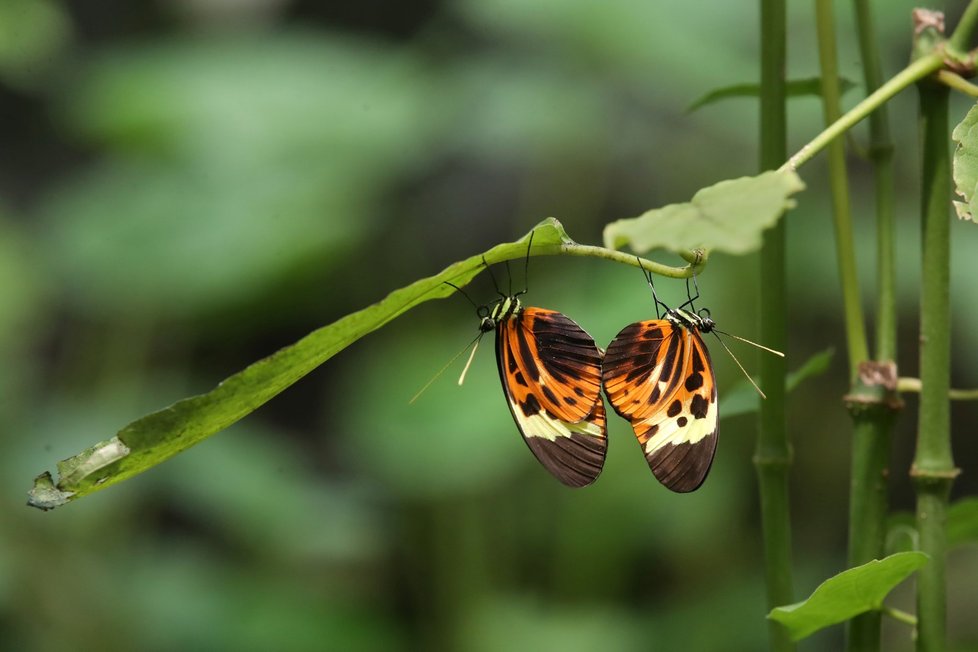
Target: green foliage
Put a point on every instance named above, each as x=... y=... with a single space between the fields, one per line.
x=966 y=164
x=742 y=398
x=962 y=526
x=962 y=522
x=156 y=437
x=203 y=201
x=32 y=34
x=848 y=594
x=811 y=86
x=729 y=216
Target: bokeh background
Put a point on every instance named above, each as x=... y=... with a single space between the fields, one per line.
x=187 y=186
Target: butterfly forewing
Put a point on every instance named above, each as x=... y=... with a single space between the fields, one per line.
x=550 y=370
x=658 y=375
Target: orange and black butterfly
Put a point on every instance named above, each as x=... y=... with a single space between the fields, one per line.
x=658 y=375
x=550 y=369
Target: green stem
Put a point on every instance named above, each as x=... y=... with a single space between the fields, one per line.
x=914 y=72
x=966 y=26
x=957 y=82
x=900 y=615
x=772 y=457
x=933 y=467
x=697 y=260
x=914 y=385
x=873 y=409
x=881 y=155
x=839 y=185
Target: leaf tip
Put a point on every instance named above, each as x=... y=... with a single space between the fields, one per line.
x=45 y=495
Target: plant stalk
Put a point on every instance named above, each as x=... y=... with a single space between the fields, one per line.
x=838 y=181
x=933 y=468
x=873 y=408
x=913 y=73
x=772 y=457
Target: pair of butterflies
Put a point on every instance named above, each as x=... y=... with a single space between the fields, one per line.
x=657 y=374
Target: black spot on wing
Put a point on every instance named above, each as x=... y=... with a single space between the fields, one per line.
x=653 y=333
x=674 y=408
x=699 y=406
x=695 y=380
x=550 y=395
x=530 y=406
x=697 y=360
x=655 y=394
x=520 y=380
x=669 y=363
x=681 y=422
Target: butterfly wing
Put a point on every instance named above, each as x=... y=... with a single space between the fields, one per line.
x=658 y=375
x=550 y=370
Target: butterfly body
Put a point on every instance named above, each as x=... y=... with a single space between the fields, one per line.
x=657 y=374
x=550 y=370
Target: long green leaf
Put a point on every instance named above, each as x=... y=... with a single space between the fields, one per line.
x=728 y=216
x=848 y=594
x=811 y=86
x=156 y=437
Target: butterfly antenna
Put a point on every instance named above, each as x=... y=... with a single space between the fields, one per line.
x=468 y=363
x=492 y=276
x=458 y=289
x=724 y=345
x=655 y=297
x=526 y=266
x=689 y=296
x=747 y=341
x=447 y=365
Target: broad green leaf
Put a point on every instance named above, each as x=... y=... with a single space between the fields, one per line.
x=966 y=164
x=160 y=435
x=728 y=216
x=811 y=86
x=848 y=594
x=743 y=399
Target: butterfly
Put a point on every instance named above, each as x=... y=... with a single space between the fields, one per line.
x=657 y=374
x=550 y=370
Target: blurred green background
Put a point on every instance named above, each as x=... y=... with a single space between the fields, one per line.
x=187 y=186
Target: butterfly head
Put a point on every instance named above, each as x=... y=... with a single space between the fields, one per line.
x=499 y=311
x=700 y=321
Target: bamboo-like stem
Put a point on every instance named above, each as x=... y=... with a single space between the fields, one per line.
x=933 y=468
x=845 y=251
x=913 y=73
x=772 y=457
x=873 y=408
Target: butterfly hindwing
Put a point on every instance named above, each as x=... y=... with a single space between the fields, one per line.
x=550 y=370
x=658 y=375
